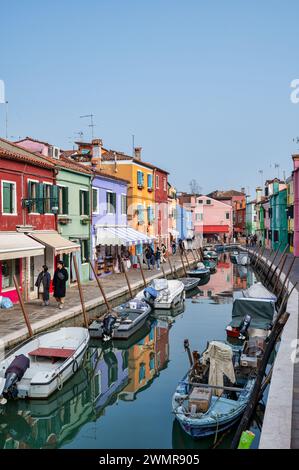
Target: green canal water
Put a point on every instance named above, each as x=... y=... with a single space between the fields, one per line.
x=121 y=397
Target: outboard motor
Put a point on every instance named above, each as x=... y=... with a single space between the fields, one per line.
x=244 y=326
x=13 y=374
x=107 y=327
x=150 y=295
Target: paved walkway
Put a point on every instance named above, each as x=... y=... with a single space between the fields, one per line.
x=294 y=277
x=12 y=324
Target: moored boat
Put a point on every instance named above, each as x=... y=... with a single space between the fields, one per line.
x=163 y=293
x=122 y=322
x=211 y=264
x=189 y=283
x=201 y=272
x=42 y=364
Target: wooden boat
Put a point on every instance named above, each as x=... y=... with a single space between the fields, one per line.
x=163 y=293
x=211 y=264
x=42 y=364
x=241 y=258
x=122 y=322
x=201 y=272
x=189 y=283
x=201 y=404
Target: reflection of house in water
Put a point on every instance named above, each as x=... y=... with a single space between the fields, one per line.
x=221 y=281
x=146 y=359
x=55 y=422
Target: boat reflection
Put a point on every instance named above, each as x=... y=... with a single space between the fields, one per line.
x=107 y=374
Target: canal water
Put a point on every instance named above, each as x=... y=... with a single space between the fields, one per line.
x=121 y=398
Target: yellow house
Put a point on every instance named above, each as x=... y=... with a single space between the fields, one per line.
x=141 y=194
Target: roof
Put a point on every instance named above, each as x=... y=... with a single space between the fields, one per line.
x=113 y=156
x=225 y=194
x=69 y=164
x=12 y=151
x=33 y=140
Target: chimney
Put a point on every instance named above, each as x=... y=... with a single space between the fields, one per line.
x=137 y=153
x=259 y=193
x=96 y=158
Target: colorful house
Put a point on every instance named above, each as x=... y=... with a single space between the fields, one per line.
x=278 y=215
x=28 y=202
x=236 y=199
x=290 y=212
x=251 y=218
x=260 y=216
x=161 y=206
x=172 y=214
x=184 y=224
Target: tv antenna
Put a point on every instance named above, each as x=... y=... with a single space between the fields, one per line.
x=261 y=172
x=91 y=125
x=80 y=134
x=276 y=165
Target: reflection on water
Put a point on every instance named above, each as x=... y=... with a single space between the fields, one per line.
x=121 y=397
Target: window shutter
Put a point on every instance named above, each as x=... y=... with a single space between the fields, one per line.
x=150 y=181
x=80 y=202
x=65 y=201
x=114 y=202
x=7 y=198
x=40 y=198
x=86 y=198
x=94 y=200
x=139 y=178
x=29 y=191
x=54 y=196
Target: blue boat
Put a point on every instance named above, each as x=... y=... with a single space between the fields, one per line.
x=223 y=406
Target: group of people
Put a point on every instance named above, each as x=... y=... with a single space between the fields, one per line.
x=154 y=258
x=251 y=240
x=43 y=284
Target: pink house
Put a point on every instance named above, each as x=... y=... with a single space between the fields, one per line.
x=296 y=203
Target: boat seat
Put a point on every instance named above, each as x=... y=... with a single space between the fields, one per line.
x=53 y=353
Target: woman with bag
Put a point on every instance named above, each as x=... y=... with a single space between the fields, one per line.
x=59 y=283
x=43 y=285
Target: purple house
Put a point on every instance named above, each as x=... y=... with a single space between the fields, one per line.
x=110 y=232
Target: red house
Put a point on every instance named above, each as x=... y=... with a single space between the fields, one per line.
x=161 y=203
x=27 y=200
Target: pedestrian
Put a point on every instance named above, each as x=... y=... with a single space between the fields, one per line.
x=173 y=247
x=158 y=257
x=181 y=245
x=43 y=285
x=148 y=256
x=163 y=253
x=247 y=241
x=59 y=283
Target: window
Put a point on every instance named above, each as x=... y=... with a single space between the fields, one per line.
x=164 y=184
x=270 y=212
x=208 y=201
x=63 y=203
x=123 y=204
x=227 y=215
x=111 y=202
x=198 y=217
x=276 y=236
x=95 y=201
x=150 y=214
x=157 y=181
x=150 y=182
x=36 y=197
x=84 y=251
x=140 y=179
x=9 y=268
x=8 y=197
x=140 y=214
x=47 y=198
x=141 y=371
x=84 y=202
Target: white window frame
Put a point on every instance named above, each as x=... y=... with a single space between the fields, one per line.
x=94 y=188
x=15 y=198
x=126 y=196
x=61 y=186
x=47 y=183
x=111 y=192
x=86 y=190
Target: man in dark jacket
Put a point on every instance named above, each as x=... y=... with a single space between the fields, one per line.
x=59 y=283
x=149 y=255
x=43 y=285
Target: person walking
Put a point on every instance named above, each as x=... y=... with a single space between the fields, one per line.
x=173 y=247
x=148 y=256
x=163 y=253
x=59 y=283
x=43 y=285
x=158 y=257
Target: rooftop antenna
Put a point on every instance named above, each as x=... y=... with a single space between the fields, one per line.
x=262 y=177
x=276 y=165
x=80 y=134
x=91 y=125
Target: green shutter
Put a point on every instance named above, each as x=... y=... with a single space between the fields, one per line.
x=86 y=196
x=40 y=198
x=54 y=196
x=29 y=191
x=114 y=202
x=80 y=202
x=94 y=200
x=7 y=198
x=65 y=200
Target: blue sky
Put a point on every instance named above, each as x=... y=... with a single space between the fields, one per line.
x=203 y=85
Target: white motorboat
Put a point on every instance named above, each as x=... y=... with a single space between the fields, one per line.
x=163 y=293
x=42 y=364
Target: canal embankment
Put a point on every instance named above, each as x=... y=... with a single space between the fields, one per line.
x=281 y=420
x=13 y=329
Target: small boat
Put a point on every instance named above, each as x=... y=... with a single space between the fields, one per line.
x=122 y=322
x=189 y=283
x=213 y=395
x=201 y=272
x=42 y=364
x=163 y=293
x=241 y=258
x=211 y=264
x=210 y=254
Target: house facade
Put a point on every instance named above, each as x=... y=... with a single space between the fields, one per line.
x=290 y=212
x=161 y=206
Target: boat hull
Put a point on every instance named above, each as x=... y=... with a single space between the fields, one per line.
x=123 y=332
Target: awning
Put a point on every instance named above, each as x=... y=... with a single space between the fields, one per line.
x=215 y=229
x=119 y=236
x=18 y=245
x=54 y=240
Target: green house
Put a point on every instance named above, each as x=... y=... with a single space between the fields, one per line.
x=74 y=214
x=278 y=217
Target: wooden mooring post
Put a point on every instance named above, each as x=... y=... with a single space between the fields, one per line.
x=100 y=286
x=182 y=260
x=271 y=265
x=170 y=265
x=163 y=271
x=85 y=318
x=285 y=256
x=127 y=278
x=193 y=254
x=286 y=278
x=141 y=270
x=186 y=256
x=25 y=314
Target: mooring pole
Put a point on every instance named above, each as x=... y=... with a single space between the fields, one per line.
x=141 y=270
x=182 y=260
x=271 y=265
x=193 y=254
x=80 y=292
x=186 y=256
x=278 y=264
x=286 y=278
x=100 y=286
x=127 y=278
x=163 y=270
x=280 y=271
x=170 y=265
x=25 y=314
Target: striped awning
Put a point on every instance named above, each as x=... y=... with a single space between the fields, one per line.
x=117 y=235
x=18 y=245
